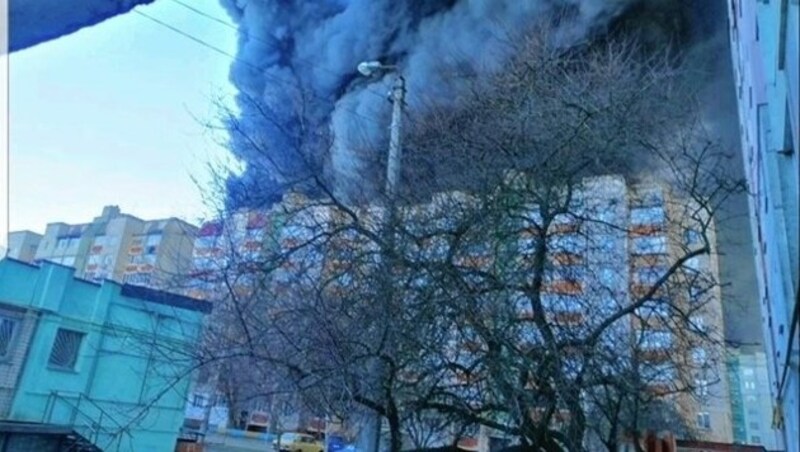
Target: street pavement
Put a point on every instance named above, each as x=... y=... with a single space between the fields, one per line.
x=220 y=443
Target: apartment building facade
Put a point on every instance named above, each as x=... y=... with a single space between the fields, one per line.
x=751 y=405
x=119 y=247
x=637 y=231
x=81 y=357
x=631 y=242
x=765 y=52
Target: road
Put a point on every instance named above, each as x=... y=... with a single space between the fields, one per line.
x=219 y=443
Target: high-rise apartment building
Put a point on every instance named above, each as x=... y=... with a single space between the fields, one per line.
x=118 y=247
x=660 y=233
x=751 y=405
x=635 y=235
x=638 y=232
x=766 y=54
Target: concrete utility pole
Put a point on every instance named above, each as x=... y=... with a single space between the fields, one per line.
x=393 y=166
x=395 y=149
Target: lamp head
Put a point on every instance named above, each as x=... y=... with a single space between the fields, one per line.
x=367 y=68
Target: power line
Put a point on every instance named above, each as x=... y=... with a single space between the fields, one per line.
x=247 y=63
x=263 y=41
x=206 y=15
x=195 y=39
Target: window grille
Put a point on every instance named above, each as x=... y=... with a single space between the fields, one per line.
x=65 y=349
x=8 y=327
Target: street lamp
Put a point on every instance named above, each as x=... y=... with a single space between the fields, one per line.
x=368 y=69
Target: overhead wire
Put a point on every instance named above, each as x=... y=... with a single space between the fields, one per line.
x=246 y=63
x=231 y=26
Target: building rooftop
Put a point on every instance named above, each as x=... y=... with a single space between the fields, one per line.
x=166 y=298
x=132 y=291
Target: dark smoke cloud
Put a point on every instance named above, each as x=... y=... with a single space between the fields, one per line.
x=309 y=49
x=292 y=49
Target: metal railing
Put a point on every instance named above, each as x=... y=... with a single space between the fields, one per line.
x=91 y=422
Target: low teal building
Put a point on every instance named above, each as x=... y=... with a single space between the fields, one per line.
x=110 y=362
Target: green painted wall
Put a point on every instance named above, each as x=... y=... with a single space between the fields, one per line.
x=134 y=390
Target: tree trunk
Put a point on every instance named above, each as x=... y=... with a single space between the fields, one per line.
x=395 y=433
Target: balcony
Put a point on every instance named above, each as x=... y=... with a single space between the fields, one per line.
x=567 y=317
x=655 y=355
x=564 y=228
x=563 y=287
x=643 y=230
x=566 y=258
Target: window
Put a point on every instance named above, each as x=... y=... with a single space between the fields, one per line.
x=100 y=240
x=749 y=384
x=655 y=340
x=151 y=243
x=647 y=216
x=696 y=294
x=691 y=237
x=566 y=273
x=606 y=244
x=704 y=420
x=693 y=263
x=559 y=303
x=8 y=328
x=94 y=260
x=654 y=308
x=658 y=373
x=153 y=239
x=198 y=400
x=698 y=324
x=571 y=243
x=755 y=439
x=608 y=216
x=572 y=367
x=649 y=275
x=137 y=279
x=699 y=356
x=754 y=426
x=65 y=350
x=653 y=198
x=650 y=245
x=702 y=388
x=609 y=277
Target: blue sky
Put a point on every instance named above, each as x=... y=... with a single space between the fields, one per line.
x=104 y=116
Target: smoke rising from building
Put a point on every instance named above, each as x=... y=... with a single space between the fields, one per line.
x=302 y=56
x=298 y=84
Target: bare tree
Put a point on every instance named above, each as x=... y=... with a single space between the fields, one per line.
x=542 y=272
x=558 y=118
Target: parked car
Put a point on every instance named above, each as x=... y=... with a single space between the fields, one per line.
x=297 y=442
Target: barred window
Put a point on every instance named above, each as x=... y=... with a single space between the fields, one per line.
x=8 y=328
x=65 y=350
